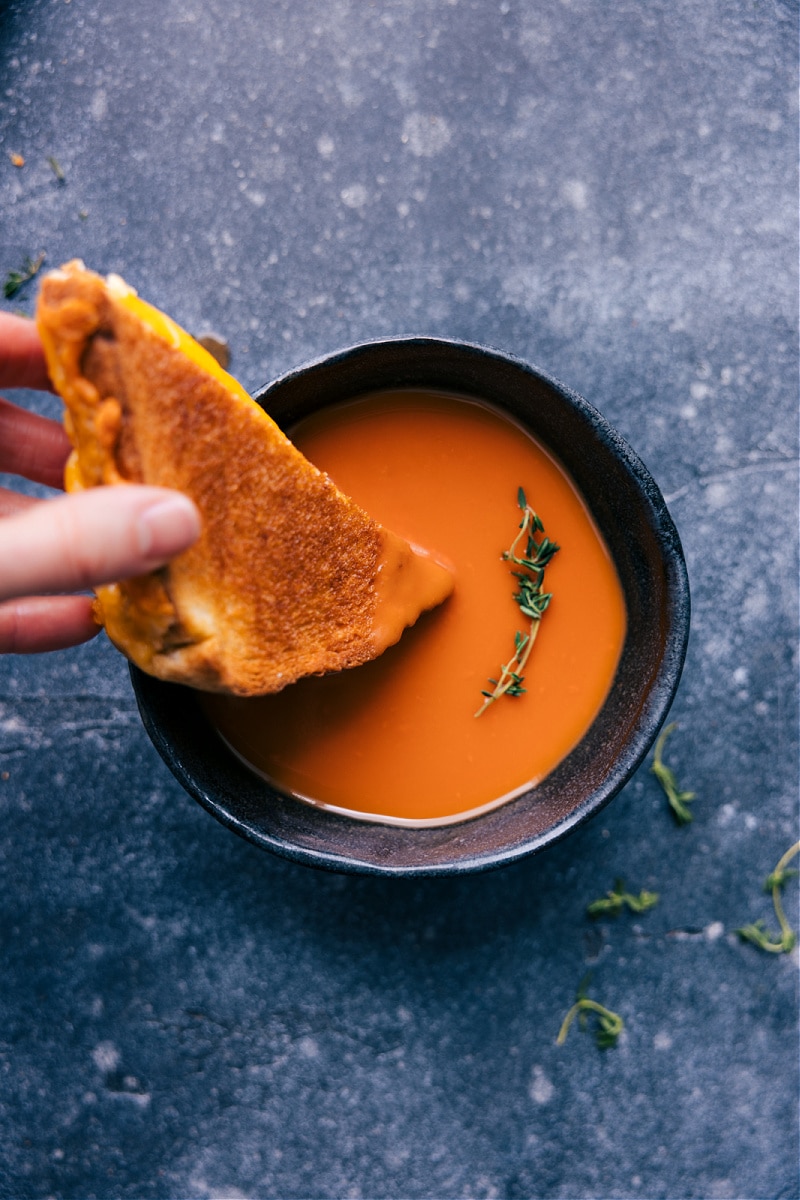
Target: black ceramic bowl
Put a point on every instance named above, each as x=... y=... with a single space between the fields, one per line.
x=644 y=544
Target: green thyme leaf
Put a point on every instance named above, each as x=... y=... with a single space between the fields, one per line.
x=609 y=1024
x=614 y=901
x=16 y=280
x=529 y=596
x=760 y=936
x=757 y=933
x=678 y=800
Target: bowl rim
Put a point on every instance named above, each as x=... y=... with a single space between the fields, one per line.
x=172 y=717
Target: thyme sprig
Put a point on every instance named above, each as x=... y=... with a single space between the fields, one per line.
x=530 y=597
x=678 y=800
x=609 y=1023
x=612 y=904
x=757 y=932
x=16 y=280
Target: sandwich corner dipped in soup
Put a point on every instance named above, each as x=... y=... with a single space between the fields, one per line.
x=239 y=612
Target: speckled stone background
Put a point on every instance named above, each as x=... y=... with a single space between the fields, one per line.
x=608 y=191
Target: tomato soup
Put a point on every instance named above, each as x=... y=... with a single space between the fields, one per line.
x=397 y=740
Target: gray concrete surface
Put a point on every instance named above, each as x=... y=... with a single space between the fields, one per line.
x=609 y=191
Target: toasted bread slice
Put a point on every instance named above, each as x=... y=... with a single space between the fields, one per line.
x=289 y=577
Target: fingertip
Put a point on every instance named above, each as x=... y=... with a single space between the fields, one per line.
x=167 y=526
x=93 y=537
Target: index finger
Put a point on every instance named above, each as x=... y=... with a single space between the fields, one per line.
x=21 y=356
x=32 y=446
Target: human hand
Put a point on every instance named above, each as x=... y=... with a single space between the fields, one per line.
x=71 y=543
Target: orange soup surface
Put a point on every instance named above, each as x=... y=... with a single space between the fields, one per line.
x=397 y=740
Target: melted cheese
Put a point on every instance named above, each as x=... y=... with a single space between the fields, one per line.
x=171 y=333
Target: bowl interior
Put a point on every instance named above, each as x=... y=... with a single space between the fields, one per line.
x=632 y=516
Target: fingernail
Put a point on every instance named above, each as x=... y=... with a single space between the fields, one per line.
x=167 y=527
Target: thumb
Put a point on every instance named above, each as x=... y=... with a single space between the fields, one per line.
x=93 y=537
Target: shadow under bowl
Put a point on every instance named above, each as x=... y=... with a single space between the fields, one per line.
x=644 y=544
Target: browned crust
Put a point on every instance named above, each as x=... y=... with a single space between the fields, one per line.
x=282 y=581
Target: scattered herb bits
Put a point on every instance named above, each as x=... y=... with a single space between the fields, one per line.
x=678 y=801
x=609 y=1025
x=16 y=280
x=757 y=933
x=612 y=904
